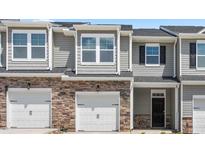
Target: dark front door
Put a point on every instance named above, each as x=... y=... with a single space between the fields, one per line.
x=158 y=109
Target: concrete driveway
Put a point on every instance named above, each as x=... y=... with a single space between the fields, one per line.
x=26 y=131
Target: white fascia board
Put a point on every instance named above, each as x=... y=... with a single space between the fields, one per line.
x=67 y=78
x=169 y=31
x=26 y=24
x=126 y=33
x=31 y=74
x=191 y=35
x=154 y=39
x=96 y=27
x=193 y=82
x=2 y=28
x=155 y=85
x=201 y=31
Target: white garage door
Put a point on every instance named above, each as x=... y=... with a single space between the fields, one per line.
x=97 y=111
x=199 y=116
x=29 y=108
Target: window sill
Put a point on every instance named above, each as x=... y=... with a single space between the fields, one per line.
x=98 y=64
x=29 y=60
x=149 y=65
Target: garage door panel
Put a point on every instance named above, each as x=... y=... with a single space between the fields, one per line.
x=29 y=109
x=199 y=116
x=97 y=112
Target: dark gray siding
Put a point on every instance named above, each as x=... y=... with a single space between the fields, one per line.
x=124 y=53
x=162 y=70
x=95 y=69
x=21 y=65
x=188 y=92
x=63 y=51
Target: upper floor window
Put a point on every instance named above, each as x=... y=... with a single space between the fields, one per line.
x=97 y=49
x=200 y=59
x=152 y=54
x=29 y=45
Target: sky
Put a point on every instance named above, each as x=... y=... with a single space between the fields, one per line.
x=142 y=23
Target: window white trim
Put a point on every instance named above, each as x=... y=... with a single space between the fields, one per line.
x=197 y=55
x=97 y=36
x=29 y=46
x=0 y=52
x=158 y=91
x=152 y=45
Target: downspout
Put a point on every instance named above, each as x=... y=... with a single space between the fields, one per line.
x=175 y=42
x=131 y=104
x=118 y=51
x=181 y=88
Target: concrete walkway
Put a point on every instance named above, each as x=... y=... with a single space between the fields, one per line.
x=151 y=131
x=25 y=131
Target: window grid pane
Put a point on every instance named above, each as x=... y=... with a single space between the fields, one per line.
x=201 y=61
x=89 y=56
x=19 y=39
x=201 y=48
x=38 y=39
x=152 y=50
x=106 y=56
x=38 y=52
x=106 y=43
x=20 y=52
x=152 y=60
x=89 y=43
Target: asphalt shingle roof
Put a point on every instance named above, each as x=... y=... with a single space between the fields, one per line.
x=150 y=32
x=184 y=29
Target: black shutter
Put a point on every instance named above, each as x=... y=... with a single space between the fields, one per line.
x=142 y=55
x=162 y=54
x=192 y=55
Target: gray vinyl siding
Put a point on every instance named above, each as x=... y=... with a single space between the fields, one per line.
x=162 y=70
x=124 y=53
x=188 y=92
x=185 y=59
x=142 y=102
x=3 y=46
x=63 y=51
x=95 y=69
x=25 y=65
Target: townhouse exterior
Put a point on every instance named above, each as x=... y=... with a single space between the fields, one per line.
x=84 y=77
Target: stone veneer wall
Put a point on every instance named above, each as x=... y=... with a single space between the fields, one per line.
x=63 y=98
x=187 y=125
x=142 y=121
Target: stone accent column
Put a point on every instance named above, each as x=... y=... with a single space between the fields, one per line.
x=187 y=125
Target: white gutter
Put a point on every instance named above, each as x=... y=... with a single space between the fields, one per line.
x=193 y=82
x=26 y=24
x=96 y=27
x=191 y=35
x=68 y=78
x=155 y=85
x=153 y=39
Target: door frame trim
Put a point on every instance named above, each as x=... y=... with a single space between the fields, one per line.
x=94 y=93
x=158 y=91
x=193 y=98
x=8 y=111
